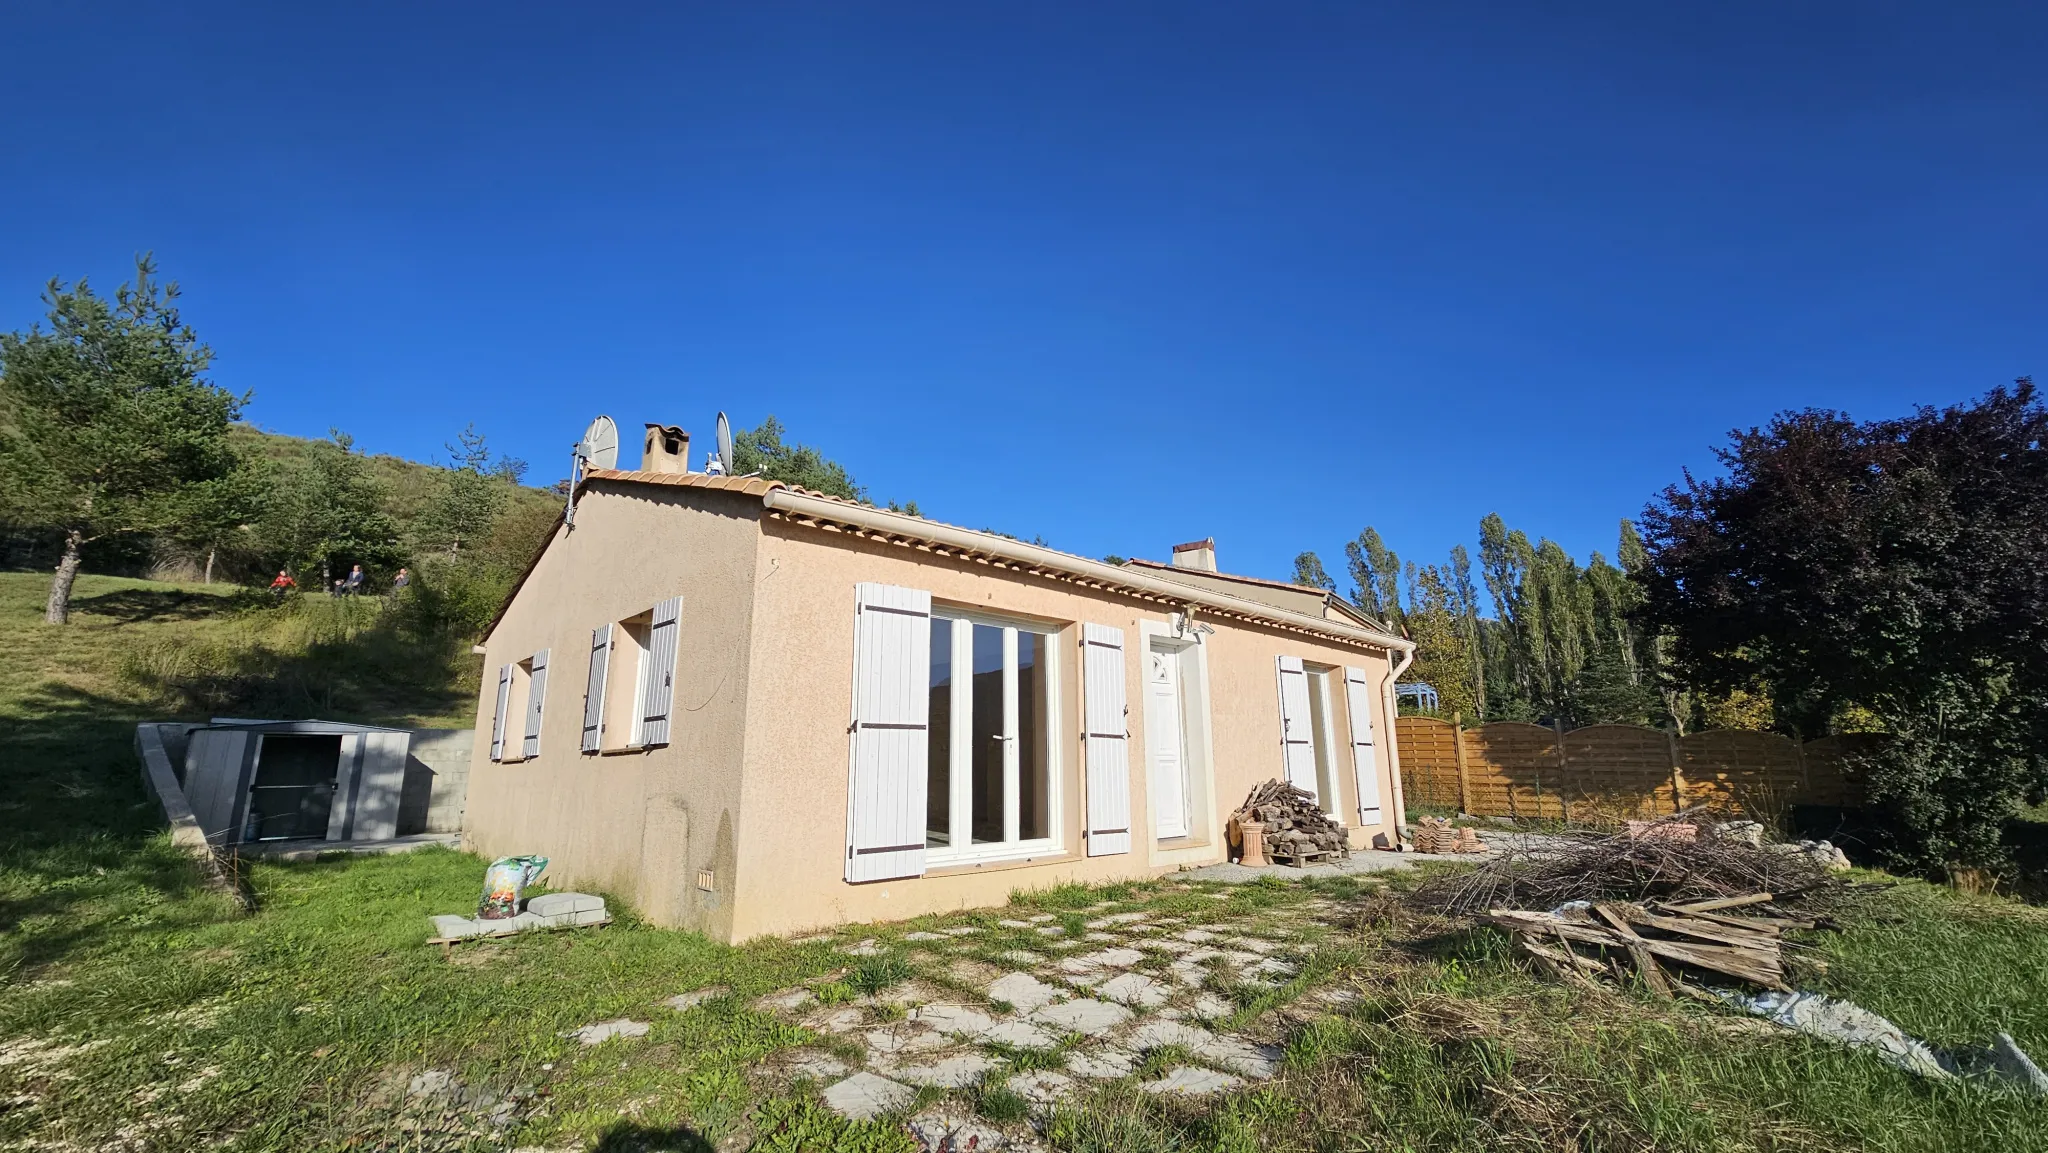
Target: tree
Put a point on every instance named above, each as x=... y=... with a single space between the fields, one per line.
x=1308 y=570
x=761 y=450
x=106 y=422
x=326 y=509
x=1376 y=576
x=472 y=493
x=1443 y=646
x=1900 y=566
x=217 y=514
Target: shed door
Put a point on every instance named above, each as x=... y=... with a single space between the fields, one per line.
x=379 y=785
x=213 y=779
x=886 y=784
x=1297 y=729
x=293 y=791
x=1364 y=757
x=1107 y=725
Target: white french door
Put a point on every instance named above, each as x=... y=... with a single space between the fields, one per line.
x=991 y=787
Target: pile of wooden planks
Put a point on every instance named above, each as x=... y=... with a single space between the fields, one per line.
x=1298 y=832
x=1659 y=940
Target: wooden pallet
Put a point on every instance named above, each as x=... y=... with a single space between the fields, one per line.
x=448 y=943
x=1298 y=858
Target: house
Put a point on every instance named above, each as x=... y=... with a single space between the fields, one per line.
x=750 y=708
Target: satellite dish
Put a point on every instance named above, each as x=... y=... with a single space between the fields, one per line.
x=599 y=448
x=601 y=443
x=724 y=445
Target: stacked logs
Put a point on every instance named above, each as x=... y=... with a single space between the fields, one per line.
x=1297 y=831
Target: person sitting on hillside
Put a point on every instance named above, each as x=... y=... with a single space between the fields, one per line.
x=354 y=584
x=283 y=584
x=399 y=582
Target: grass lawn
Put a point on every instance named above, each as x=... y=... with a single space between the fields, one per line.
x=139 y=1012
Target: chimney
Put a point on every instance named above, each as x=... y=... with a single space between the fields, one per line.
x=1196 y=554
x=668 y=449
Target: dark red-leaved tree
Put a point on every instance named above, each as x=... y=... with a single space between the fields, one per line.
x=1900 y=565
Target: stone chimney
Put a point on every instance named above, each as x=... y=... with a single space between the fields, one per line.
x=668 y=449
x=1196 y=554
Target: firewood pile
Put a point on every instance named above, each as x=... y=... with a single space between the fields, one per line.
x=1437 y=835
x=1740 y=937
x=1298 y=832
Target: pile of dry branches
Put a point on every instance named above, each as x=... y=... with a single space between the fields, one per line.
x=1544 y=873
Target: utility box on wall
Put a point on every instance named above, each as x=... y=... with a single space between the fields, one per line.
x=251 y=781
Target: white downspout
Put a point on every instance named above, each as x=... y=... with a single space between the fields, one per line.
x=1394 y=746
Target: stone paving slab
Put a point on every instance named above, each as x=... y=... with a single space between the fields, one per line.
x=1105 y=1064
x=954 y=1020
x=606 y=1030
x=817 y=1065
x=1134 y=989
x=696 y=997
x=1086 y=1016
x=865 y=1096
x=1188 y=1081
x=1042 y=1088
x=1024 y=991
x=958 y=1072
x=1020 y=1035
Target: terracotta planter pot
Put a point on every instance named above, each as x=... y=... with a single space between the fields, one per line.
x=1254 y=844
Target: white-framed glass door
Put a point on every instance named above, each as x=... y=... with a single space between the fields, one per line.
x=992 y=786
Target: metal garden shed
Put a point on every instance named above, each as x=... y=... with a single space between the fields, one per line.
x=253 y=781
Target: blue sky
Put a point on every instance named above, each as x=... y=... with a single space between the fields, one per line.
x=1121 y=275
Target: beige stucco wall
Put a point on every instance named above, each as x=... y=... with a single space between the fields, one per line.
x=636 y=824
x=793 y=808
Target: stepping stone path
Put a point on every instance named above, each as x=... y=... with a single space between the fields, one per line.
x=695 y=997
x=1087 y=1017
x=604 y=1031
x=866 y=1096
x=1131 y=982
x=1188 y=1081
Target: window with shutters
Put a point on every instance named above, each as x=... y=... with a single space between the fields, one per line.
x=630 y=681
x=517 y=708
x=992 y=787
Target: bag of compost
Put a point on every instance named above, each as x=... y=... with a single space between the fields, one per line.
x=504 y=882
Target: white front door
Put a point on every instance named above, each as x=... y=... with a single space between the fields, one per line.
x=1166 y=743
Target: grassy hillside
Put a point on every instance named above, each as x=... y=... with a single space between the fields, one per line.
x=139 y=1012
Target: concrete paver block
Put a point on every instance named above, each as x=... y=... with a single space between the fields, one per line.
x=557 y=904
x=696 y=997
x=1020 y=1035
x=1041 y=1087
x=1102 y=1064
x=1134 y=989
x=952 y=1073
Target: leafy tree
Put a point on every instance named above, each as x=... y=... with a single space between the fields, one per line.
x=217 y=515
x=106 y=422
x=326 y=510
x=1897 y=565
x=1308 y=570
x=1443 y=644
x=762 y=450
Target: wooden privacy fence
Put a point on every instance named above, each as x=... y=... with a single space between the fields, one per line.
x=1618 y=772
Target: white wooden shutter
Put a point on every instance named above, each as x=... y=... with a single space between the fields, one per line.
x=885 y=792
x=1364 y=757
x=536 y=701
x=593 y=689
x=1297 y=740
x=1107 y=737
x=658 y=695
x=498 y=716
